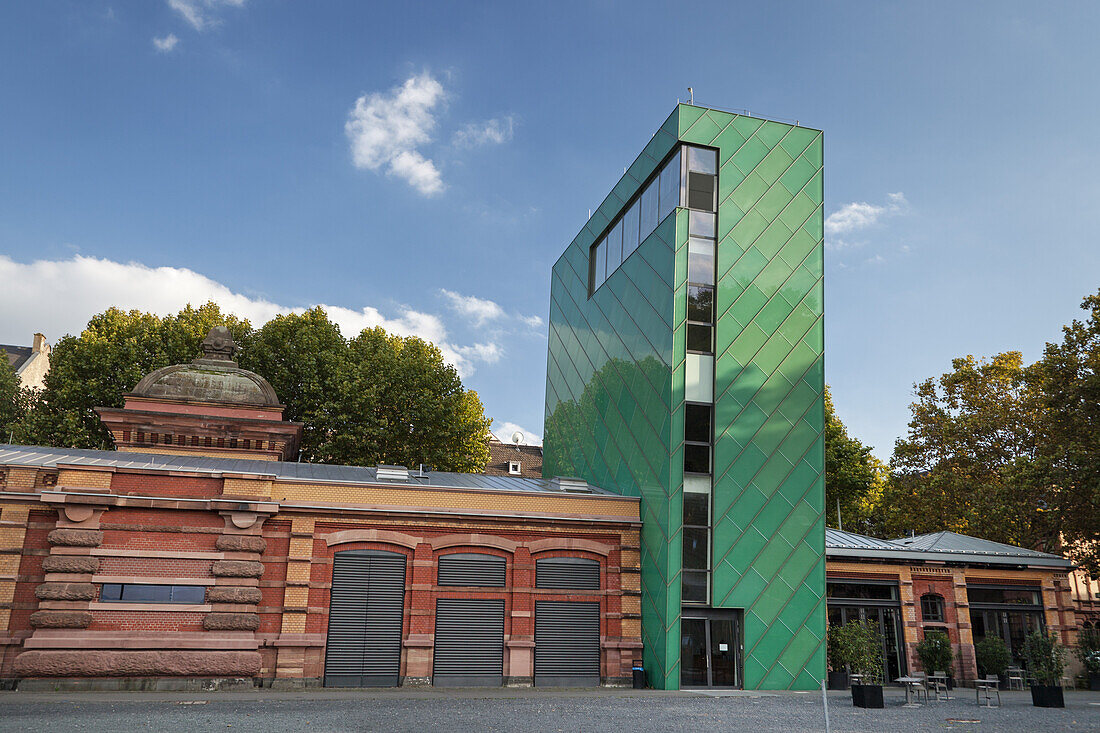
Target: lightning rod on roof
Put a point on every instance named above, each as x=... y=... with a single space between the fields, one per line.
x=691 y=96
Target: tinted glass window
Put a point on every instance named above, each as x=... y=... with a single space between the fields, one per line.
x=648 y=220
x=630 y=230
x=601 y=263
x=697 y=423
x=700 y=304
x=701 y=224
x=670 y=187
x=694 y=587
x=696 y=543
x=614 y=248
x=696 y=509
x=110 y=592
x=1003 y=595
x=701 y=191
x=700 y=338
x=702 y=160
x=866 y=591
x=697 y=458
x=152 y=593
x=188 y=594
x=701 y=261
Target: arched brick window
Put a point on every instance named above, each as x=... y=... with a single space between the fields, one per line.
x=931 y=608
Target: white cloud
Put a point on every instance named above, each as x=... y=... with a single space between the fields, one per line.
x=166 y=44
x=532 y=321
x=481 y=311
x=200 y=14
x=490 y=132
x=860 y=215
x=505 y=430
x=386 y=130
x=83 y=286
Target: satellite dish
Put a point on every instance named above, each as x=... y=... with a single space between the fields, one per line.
x=517 y=437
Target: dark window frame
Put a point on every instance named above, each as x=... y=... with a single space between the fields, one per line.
x=933 y=608
x=107 y=593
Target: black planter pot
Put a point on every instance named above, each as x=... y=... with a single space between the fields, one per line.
x=1094 y=681
x=867 y=696
x=838 y=680
x=1047 y=696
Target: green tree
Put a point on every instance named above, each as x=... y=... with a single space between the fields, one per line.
x=969 y=463
x=15 y=399
x=402 y=404
x=114 y=351
x=305 y=358
x=854 y=478
x=1069 y=375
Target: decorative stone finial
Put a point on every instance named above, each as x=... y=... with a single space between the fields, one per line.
x=219 y=345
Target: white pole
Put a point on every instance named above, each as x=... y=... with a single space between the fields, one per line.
x=825 y=703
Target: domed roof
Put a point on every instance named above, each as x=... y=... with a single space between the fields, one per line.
x=213 y=377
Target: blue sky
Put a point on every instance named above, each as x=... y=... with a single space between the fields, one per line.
x=421 y=166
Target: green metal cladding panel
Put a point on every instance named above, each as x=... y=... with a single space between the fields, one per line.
x=769 y=491
x=615 y=392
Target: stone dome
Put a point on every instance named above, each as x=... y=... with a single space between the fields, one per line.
x=213 y=377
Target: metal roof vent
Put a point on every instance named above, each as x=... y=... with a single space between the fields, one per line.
x=392 y=473
x=570 y=484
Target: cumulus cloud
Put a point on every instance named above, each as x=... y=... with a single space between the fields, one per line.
x=479 y=310
x=860 y=215
x=202 y=14
x=505 y=430
x=490 y=132
x=386 y=130
x=166 y=44
x=532 y=321
x=83 y=286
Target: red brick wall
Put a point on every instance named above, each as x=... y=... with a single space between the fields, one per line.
x=190 y=487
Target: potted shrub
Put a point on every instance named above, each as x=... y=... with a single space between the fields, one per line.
x=837 y=641
x=1046 y=660
x=935 y=655
x=1088 y=651
x=866 y=659
x=993 y=658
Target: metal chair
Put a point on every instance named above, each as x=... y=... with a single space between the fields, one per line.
x=939 y=684
x=921 y=686
x=987 y=686
x=1015 y=677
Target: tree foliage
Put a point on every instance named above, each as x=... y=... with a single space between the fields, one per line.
x=377 y=398
x=15 y=399
x=1069 y=448
x=969 y=462
x=854 y=478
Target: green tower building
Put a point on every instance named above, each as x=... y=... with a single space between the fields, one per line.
x=685 y=366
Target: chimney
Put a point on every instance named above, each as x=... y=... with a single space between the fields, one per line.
x=40 y=344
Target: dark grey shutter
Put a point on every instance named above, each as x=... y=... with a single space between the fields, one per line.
x=366 y=612
x=569 y=573
x=469 y=643
x=468 y=568
x=567 y=643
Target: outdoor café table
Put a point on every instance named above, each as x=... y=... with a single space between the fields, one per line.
x=941 y=679
x=909 y=682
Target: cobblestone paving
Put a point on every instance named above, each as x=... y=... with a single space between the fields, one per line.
x=466 y=711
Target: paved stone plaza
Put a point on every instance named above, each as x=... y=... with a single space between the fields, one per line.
x=467 y=711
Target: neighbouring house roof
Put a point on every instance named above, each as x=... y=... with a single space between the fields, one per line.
x=937 y=547
x=501 y=454
x=17 y=355
x=38 y=456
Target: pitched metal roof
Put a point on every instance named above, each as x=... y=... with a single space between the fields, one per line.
x=937 y=547
x=24 y=455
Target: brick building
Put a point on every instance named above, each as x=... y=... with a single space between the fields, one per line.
x=513 y=459
x=966 y=587
x=200 y=550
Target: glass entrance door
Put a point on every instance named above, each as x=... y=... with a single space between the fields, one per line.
x=710 y=651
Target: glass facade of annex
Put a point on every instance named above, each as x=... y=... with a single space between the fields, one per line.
x=685 y=366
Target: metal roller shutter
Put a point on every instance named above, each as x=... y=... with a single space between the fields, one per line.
x=468 y=568
x=569 y=573
x=469 y=643
x=366 y=612
x=567 y=643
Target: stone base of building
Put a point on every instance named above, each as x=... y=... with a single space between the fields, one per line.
x=519 y=681
x=133 y=684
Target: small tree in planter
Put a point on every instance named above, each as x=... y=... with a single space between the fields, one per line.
x=838 y=642
x=1088 y=651
x=934 y=652
x=1046 y=660
x=993 y=658
x=863 y=647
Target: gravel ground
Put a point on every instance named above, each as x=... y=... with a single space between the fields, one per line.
x=523 y=710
